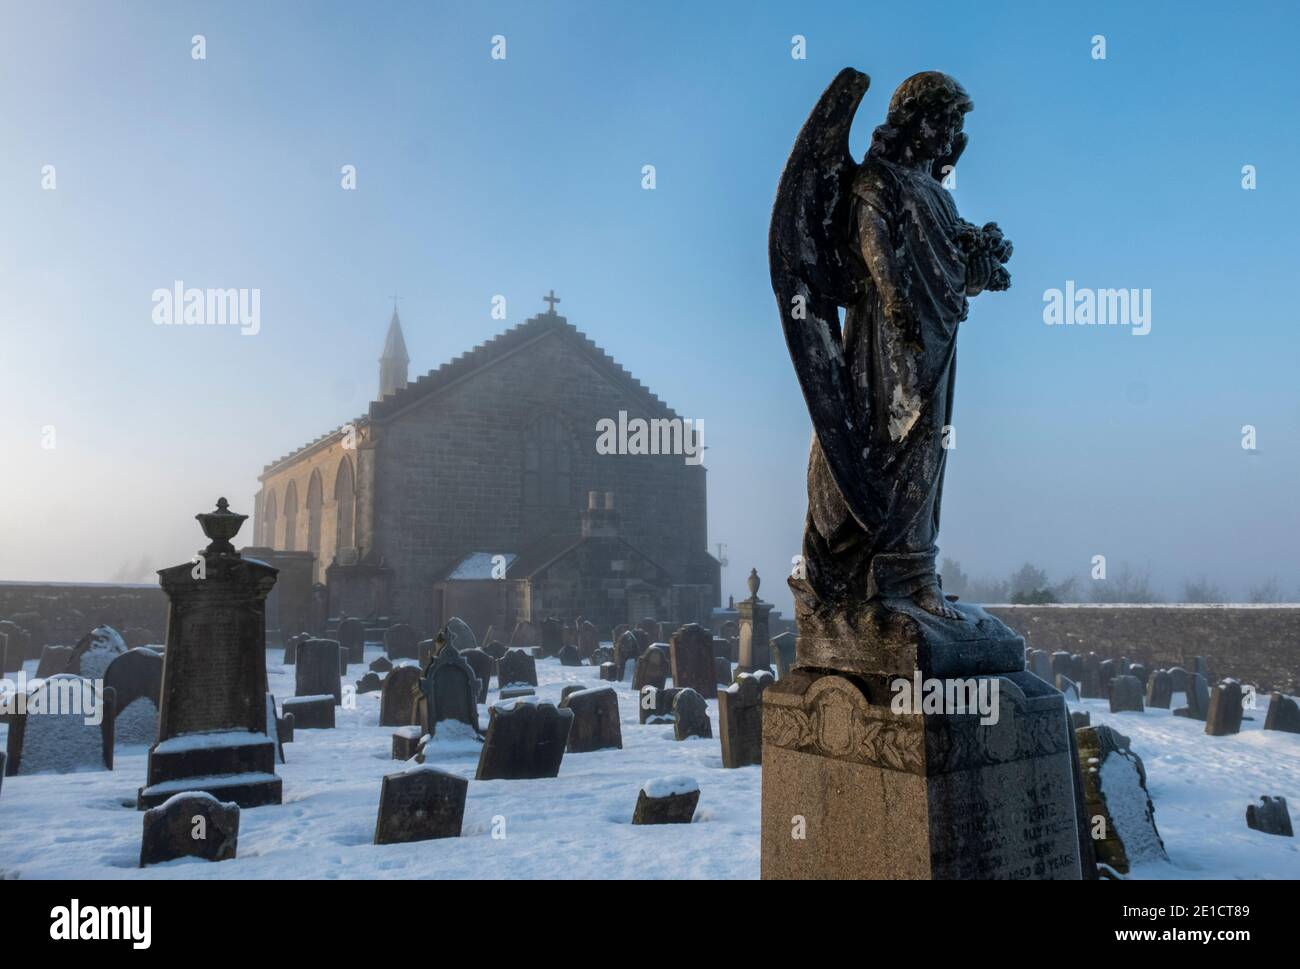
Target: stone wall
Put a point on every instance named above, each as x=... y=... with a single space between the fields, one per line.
x=60 y=614
x=1257 y=644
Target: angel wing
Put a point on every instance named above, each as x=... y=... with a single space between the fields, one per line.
x=813 y=274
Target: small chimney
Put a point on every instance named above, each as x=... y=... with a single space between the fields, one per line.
x=598 y=522
x=592 y=498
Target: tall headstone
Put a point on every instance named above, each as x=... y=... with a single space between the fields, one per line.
x=525 y=740
x=483 y=666
x=1119 y=809
x=1126 y=695
x=755 y=641
x=397 y=701
x=136 y=679
x=1283 y=713
x=552 y=637
x=782 y=650
x=595 y=720
x=450 y=691
x=652 y=668
x=516 y=668
x=1198 y=698
x=692 y=659
x=690 y=715
x=1223 y=716
x=352 y=638
x=740 y=719
x=65 y=727
x=1160 y=690
x=588 y=639
x=626 y=649
x=212 y=723
x=317 y=671
x=460 y=635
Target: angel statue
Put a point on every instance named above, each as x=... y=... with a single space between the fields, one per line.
x=883 y=240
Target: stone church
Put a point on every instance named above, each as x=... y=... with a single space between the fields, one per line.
x=478 y=490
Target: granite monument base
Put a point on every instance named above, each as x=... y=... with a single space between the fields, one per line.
x=852 y=789
x=233 y=766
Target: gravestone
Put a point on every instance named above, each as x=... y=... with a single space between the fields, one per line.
x=740 y=720
x=588 y=639
x=626 y=648
x=569 y=656
x=1091 y=686
x=450 y=691
x=401 y=641
x=427 y=650
x=690 y=715
x=406 y=742
x=1283 y=714
x=525 y=740
x=310 y=712
x=516 y=668
x=343 y=661
x=656 y=705
x=608 y=672
x=691 y=658
x=782 y=650
x=1041 y=666
x=382 y=664
x=1068 y=688
x=212 y=721
x=568 y=689
x=460 y=635
x=92 y=654
x=755 y=639
x=1270 y=816
x=1140 y=671
x=13 y=647
x=170 y=829
x=291 y=648
x=397 y=702
x=722 y=670
x=514 y=692
x=1080 y=718
x=371 y=682
x=552 y=637
x=643 y=641
x=54 y=660
x=496 y=649
x=1109 y=669
x=1223 y=716
x=1061 y=664
x=601 y=655
x=1178 y=679
x=136 y=678
x=652 y=669
x=652 y=630
x=483 y=666
x=273 y=727
x=1198 y=699
x=1201 y=665
x=666 y=800
x=1120 y=813
x=317 y=670
x=352 y=638
x=595 y=720
x=419 y=805
x=619 y=630
x=66 y=726
x=1126 y=695
x=1160 y=689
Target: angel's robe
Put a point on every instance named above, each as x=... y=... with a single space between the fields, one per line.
x=902 y=392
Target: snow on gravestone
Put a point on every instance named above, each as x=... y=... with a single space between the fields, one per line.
x=317 y=670
x=460 y=635
x=652 y=668
x=656 y=706
x=64 y=725
x=92 y=654
x=516 y=668
x=691 y=654
x=192 y=824
x=525 y=740
x=450 y=691
x=595 y=719
x=1283 y=714
x=667 y=800
x=1120 y=815
x=691 y=716
x=740 y=718
x=136 y=679
x=420 y=804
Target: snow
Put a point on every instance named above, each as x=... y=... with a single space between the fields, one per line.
x=211 y=739
x=1126 y=803
x=578 y=825
x=201 y=795
x=480 y=565
x=668 y=786
x=137 y=723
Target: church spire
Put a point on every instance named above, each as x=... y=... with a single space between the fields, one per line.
x=393 y=363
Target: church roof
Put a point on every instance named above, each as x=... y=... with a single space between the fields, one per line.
x=512 y=341
x=395 y=343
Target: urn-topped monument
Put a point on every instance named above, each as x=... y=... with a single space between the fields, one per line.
x=212 y=721
x=855 y=784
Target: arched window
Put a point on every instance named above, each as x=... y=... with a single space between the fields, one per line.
x=546 y=463
x=291 y=517
x=315 y=499
x=344 y=498
x=268 y=520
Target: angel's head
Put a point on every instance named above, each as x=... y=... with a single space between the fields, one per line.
x=925 y=117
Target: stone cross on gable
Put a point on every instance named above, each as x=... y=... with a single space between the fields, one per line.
x=552 y=299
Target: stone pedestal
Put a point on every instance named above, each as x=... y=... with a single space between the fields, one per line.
x=854 y=786
x=755 y=643
x=212 y=721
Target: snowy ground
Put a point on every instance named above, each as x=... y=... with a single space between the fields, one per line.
x=577 y=825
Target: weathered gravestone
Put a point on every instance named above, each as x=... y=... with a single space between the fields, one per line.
x=136 y=678
x=1061 y=664
x=401 y=641
x=1091 y=685
x=651 y=628
x=1040 y=665
x=595 y=720
x=691 y=657
x=310 y=712
x=192 y=824
x=1270 y=816
x=690 y=715
x=1126 y=695
x=516 y=668
x=782 y=650
x=212 y=722
x=317 y=671
x=63 y=725
x=370 y=682
x=406 y=742
x=666 y=800
x=1080 y=718
x=1223 y=716
x=1283 y=714
x=514 y=692
x=643 y=641
x=1109 y=669
x=569 y=656
x=13 y=647
x=552 y=637
x=420 y=804
x=1120 y=814
x=382 y=664
x=722 y=670
x=652 y=668
x=626 y=649
x=525 y=740
x=588 y=638
x=656 y=705
x=1068 y=688
x=755 y=640
x=600 y=656
x=460 y=635
x=450 y=691
x=1179 y=679
x=352 y=638
x=54 y=660
x=496 y=649
x=1141 y=672
x=91 y=656
x=397 y=702
x=483 y=666
x=1160 y=690
x=291 y=648
x=740 y=719
x=273 y=728
x=1198 y=699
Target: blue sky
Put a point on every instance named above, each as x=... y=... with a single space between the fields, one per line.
x=478 y=177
